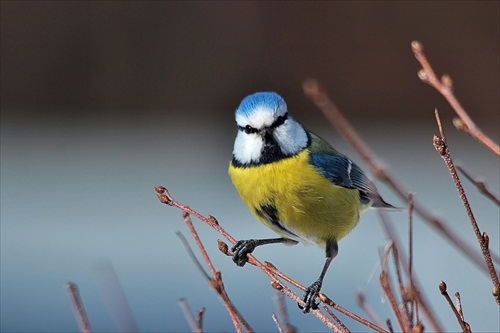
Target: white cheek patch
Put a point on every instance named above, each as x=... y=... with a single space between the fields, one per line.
x=291 y=137
x=247 y=147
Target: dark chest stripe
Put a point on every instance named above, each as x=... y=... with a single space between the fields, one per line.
x=270 y=214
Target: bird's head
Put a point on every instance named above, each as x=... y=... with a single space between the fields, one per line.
x=266 y=132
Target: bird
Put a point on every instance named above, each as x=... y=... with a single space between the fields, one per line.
x=295 y=183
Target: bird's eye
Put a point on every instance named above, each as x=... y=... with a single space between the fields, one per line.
x=249 y=129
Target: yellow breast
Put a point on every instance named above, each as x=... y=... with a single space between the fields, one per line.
x=307 y=205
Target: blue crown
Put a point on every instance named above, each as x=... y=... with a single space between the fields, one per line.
x=267 y=100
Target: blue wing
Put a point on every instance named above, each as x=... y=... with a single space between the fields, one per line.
x=341 y=171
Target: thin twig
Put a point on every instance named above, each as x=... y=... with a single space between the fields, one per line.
x=389 y=293
x=389 y=325
x=281 y=306
x=193 y=323
x=317 y=94
x=413 y=308
x=405 y=312
x=349 y=314
x=442 y=148
x=337 y=319
x=165 y=198
x=278 y=273
x=459 y=305
x=78 y=308
x=445 y=88
x=280 y=329
x=279 y=286
x=193 y=256
x=410 y=231
x=465 y=326
x=481 y=186
x=360 y=297
x=199 y=316
x=216 y=280
x=326 y=300
x=416 y=293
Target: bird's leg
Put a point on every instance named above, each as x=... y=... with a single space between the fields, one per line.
x=244 y=247
x=313 y=290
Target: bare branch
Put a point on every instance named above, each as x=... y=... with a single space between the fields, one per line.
x=414 y=305
x=405 y=312
x=389 y=293
x=167 y=199
x=368 y=310
x=465 y=326
x=445 y=88
x=193 y=256
x=78 y=308
x=281 y=306
x=481 y=186
x=442 y=148
x=349 y=314
x=416 y=292
x=280 y=329
x=216 y=280
x=196 y=325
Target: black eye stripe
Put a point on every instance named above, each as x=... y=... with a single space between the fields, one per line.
x=249 y=129
x=280 y=121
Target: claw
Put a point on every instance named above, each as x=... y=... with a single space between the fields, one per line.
x=241 y=249
x=312 y=292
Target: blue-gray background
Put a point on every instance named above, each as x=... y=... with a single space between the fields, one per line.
x=101 y=101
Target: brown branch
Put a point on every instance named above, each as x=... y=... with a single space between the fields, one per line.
x=193 y=256
x=361 y=299
x=389 y=325
x=445 y=88
x=389 y=293
x=78 y=308
x=480 y=185
x=268 y=268
x=464 y=325
x=326 y=300
x=280 y=329
x=216 y=279
x=196 y=325
x=415 y=288
x=281 y=306
x=459 y=305
x=337 y=319
x=399 y=311
x=349 y=314
x=410 y=231
x=165 y=198
x=317 y=94
x=442 y=148
x=405 y=312
x=414 y=305
x=278 y=273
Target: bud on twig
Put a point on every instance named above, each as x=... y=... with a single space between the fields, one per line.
x=223 y=247
x=442 y=288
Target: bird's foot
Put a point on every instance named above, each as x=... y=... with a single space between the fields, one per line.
x=241 y=249
x=310 y=297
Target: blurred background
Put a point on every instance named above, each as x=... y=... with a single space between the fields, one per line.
x=102 y=101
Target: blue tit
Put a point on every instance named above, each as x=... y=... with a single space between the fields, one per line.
x=295 y=183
